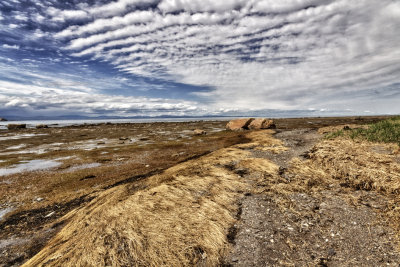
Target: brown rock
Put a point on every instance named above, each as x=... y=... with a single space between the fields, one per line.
x=199 y=132
x=2 y=119
x=41 y=126
x=16 y=126
x=239 y=124
x=262 y=123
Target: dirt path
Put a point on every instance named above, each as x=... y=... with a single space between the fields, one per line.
x=318 y=229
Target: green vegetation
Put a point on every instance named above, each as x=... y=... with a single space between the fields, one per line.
x=335 y=134
x=386 y=131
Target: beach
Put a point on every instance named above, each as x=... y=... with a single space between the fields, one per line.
x=51 y=177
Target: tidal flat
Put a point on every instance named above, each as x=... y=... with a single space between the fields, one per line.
x=44 y=173
x=47 y=173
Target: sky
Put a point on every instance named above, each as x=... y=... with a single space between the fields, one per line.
x=199 y=57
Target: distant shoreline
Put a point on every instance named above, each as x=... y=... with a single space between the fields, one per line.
x=78 y=122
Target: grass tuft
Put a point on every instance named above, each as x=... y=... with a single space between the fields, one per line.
x=335 y=134
x=386 y=131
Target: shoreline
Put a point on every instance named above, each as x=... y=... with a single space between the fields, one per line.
x=31 y=124
x=50 y=195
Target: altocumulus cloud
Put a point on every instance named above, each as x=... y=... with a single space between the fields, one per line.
x=195 y=57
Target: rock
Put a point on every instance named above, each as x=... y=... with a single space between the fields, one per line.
x=239 y=124
x=262 y=123
x=16 y=126
x=199 y=132
x=50 y=214
x=41 y=126
x=3 y=119
x=346 y=128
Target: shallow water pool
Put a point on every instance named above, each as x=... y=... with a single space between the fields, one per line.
x=32 y=165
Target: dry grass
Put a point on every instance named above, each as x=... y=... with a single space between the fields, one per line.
x=351 y=165
x=263 y=141
x=178 y=218
x=336 y=128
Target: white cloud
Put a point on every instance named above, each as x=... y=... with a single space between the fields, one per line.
x=21 y=17
x=62 y=15
x=289 y=54
x=6 y=46
x=38 y=97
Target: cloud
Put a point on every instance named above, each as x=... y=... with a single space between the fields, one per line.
x=6 y=46
x=36 y=97
x=263 y=54
x=288 y=53
x=62 y=15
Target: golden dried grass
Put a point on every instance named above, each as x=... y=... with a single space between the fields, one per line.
x=263 y=141
x=331 y=129
x=181 y=218
x=354 y=165
x=360 y=164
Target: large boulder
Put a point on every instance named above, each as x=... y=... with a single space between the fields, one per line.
x=3 y=119
x=262 y=123
x=16 y=126
x=239 y=124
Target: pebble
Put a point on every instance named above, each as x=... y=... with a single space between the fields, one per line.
x=50 y=214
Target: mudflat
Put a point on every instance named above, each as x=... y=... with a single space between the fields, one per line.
x=248 y=183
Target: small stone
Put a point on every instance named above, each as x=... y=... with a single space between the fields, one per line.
x=16 y=126
x=50 y=214
x=199 y=132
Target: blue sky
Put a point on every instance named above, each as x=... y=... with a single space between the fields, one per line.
x=199 y=57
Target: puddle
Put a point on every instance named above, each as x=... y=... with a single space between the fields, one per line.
x=83 y=166
x=89 y=144
x=16 y=147
x=3 y=212
x=65 y=158
x=35 y=150
x=32 y=165
x=18 y=136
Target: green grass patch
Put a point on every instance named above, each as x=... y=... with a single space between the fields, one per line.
x=386 y=131
x=335 y=134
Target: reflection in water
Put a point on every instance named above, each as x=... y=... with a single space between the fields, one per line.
x=32 y=165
